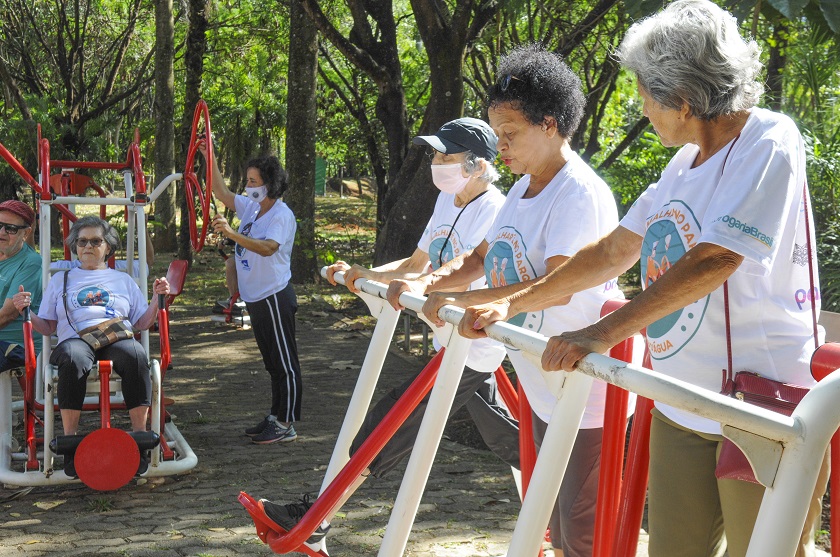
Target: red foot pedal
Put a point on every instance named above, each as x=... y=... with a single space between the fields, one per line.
x=107 y=459
x=267 y=530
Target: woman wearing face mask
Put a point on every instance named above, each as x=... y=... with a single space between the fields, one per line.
x=462 y=169
x=263 y=253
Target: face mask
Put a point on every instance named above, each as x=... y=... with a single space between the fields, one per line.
x=257 y=194
x=448 y=178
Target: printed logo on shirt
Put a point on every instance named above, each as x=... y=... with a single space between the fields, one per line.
x=451 y=248
x=506 y=263
x=94 y=296
x=671 y=232
x=803 y=296
x=246 y=231
x=751 y=231
x=800 y=255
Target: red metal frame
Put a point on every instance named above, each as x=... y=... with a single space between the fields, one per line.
x=29 y=393
x=191 y=185
x=282 y=541
x=507 y=392
x=634 y=488
x=527 y=448
x=612 y=449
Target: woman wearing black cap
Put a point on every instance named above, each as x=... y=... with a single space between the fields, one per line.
x=462 y=154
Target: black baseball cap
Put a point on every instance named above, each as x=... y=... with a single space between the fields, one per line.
x=463 y=134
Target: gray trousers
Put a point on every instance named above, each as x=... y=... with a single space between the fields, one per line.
x=476 y=391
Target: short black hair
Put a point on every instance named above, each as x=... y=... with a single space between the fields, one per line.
x=539 y=84
x=273 y=176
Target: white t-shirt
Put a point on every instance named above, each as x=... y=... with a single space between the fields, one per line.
x=92 y=297
x=575 y=209
x=485 y=354
x=119 y=265
x=753 y=206
x=258 y=276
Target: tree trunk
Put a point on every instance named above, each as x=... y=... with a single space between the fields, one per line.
x=300 y=144
x=165 y=235
x=194 y=66
x=776 y=64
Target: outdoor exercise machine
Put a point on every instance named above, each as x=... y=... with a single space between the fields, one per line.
x=786 y=451
x=106 y=458
x=342 y=472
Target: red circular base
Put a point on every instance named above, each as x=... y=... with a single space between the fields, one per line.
x=107 y=459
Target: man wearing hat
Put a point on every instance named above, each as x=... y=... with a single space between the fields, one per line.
x=20 y=269
x=462 y=153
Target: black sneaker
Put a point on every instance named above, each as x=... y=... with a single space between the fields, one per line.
x=275 y=433
x=257 y=429
x=143 y=466
x=70 y=466
x=287 y=516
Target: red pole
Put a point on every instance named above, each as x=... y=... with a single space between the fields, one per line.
x=286 y=542
x=507 y=392
x=29 y=392
x=612 y=458
x=105 y=393
x=633 y=490
x=527 y=449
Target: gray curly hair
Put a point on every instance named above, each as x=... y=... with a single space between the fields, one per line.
x=692 y=52
x=109 y=233
x=472 y=162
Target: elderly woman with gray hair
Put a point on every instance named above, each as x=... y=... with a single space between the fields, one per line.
x=723 y=242
x=87 y=296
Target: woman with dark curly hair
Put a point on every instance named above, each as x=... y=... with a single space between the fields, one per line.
x=263 y=252
x=557 y=207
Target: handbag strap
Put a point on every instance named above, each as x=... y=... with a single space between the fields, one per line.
x=64 y=299
x=812 y=293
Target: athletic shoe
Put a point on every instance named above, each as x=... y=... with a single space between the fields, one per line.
x=274 y=433
x=257 y=429
x=287 y=516
x=70 y=466
x=143 y=466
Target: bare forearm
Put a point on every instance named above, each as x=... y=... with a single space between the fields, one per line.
x=699 y=272
x=43 y=326
x=457 y=274
x=220 y=189
x=148 y=318
x=260 y=247
x=593 y=265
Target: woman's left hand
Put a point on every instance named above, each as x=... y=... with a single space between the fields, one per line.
x=564 y=351
x=220 y=226
x=161 y=286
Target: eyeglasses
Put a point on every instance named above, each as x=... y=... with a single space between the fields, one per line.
x=94 y=242
x=504 y=83
x=431 y=152
x=12 y=229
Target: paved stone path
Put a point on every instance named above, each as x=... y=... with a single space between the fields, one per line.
x=219 y=387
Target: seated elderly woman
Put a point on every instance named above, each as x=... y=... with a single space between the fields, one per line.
x=87 y=296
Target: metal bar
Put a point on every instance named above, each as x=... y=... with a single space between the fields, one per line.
x=425 y=447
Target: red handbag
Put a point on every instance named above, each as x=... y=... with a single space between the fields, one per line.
x=755 y=389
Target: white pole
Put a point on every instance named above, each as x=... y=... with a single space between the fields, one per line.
x=425 y=448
